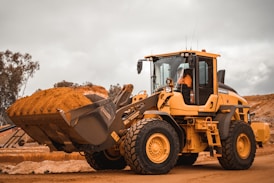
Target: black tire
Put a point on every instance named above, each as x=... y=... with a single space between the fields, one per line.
x=187 y=159
x=103 y=160
x=239 y=149
x=151 y=147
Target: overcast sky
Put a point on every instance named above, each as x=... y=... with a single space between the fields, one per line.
x=100 y=41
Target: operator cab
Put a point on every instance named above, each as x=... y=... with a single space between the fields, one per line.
x=193 y=74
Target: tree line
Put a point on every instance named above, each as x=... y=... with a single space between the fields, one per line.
x=15 y=71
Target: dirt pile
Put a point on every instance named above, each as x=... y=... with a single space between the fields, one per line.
x=35 y=152
x=47 y=166
x=50 y=100
x=263 y=107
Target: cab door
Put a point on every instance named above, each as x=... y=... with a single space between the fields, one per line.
x=203 y=81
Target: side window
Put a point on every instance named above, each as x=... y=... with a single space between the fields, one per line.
x=203 y=73
x=206 y=72
x=165 y=73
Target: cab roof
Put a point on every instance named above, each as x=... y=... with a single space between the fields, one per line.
x=199 y=53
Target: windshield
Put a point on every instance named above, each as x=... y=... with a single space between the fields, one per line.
x=167 y=67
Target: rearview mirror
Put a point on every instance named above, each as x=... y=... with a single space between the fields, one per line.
x=139 y=66
x=221 y=76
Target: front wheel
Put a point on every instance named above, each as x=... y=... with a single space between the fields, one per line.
x=239 y=149
x=151 y=147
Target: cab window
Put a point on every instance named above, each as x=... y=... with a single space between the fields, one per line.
x=205 y=79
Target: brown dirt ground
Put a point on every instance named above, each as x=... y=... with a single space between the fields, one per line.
x=38 y=160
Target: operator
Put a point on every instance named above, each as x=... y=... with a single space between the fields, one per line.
x=185 y=83
x=186 y=79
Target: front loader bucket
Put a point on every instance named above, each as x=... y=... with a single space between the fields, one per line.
x=93 y=121
x=87 y=125
x=83 y=125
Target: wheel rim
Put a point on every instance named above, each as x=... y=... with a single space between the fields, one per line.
x=243 y=146
x=157 y=148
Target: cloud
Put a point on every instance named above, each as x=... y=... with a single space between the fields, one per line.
x=101 y=41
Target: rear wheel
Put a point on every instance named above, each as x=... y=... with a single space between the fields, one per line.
x=105 y=160
x=238 y=150
x=151 y=147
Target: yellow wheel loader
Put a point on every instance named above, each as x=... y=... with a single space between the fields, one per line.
x=190 y=111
